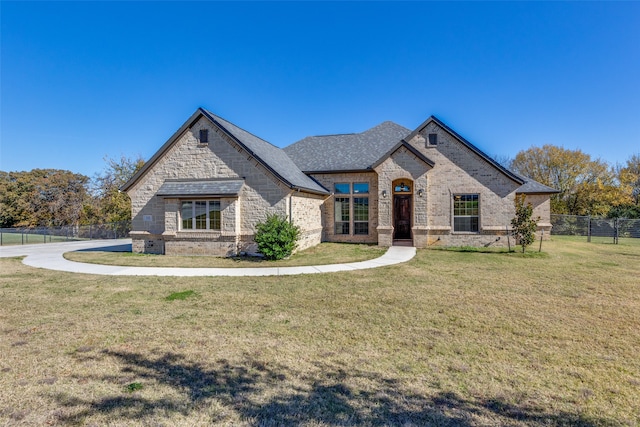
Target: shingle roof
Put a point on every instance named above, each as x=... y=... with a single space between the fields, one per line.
x=534 y=187
x=272 y=157
x=212 y=187
x=346 y=152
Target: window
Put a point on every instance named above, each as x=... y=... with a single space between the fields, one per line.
x=341 y=207
x=466 y=213
x=360 y=187
x=349 y=221
x=200 y=215
x=204 y=136
x=342 y=188
x=360 y=215
x=402 y=188
x=433 y=139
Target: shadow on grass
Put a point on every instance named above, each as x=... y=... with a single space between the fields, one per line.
x=262 y=394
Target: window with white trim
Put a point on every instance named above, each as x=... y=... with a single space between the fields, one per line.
x=466 y=213
x=200 y=215
x=351 y=208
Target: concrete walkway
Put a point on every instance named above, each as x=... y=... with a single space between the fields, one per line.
x=49 y=256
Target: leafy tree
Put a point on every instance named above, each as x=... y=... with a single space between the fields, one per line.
x=524 y=227
x=110 y=204
x=276 y=237
x=587 y=187
x=42 y=197
x=629 y=177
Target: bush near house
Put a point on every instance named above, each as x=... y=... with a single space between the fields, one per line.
x=276 y=237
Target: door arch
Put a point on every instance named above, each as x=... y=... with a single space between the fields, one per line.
x=402 y=208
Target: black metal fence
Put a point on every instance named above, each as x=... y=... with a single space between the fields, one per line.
x=595 y=227
x=30 y=235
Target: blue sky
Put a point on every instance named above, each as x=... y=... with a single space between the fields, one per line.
x=85 y=80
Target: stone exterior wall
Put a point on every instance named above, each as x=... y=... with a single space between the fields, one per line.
x=542 y=212
x=328 y=218
x=307 y=213
x=403 y=164
x=187 y=158
x=458 y=170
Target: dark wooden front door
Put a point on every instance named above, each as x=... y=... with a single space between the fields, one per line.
x=402 y=217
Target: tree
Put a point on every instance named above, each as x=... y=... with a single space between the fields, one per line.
x=524 y=227
x=276 y=237
x=629 y=177
x=110 y=204
x=587 y=187
x=42 y=197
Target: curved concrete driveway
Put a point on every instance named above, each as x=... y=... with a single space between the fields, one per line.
x=49 y=256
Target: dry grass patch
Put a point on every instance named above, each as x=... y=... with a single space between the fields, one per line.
x=322 y=254
x=448 y=339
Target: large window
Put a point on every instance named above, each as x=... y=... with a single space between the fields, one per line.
x=341 y=207
x=351 y=210
x=466 y=213
x=360 y=215
x=200 y=215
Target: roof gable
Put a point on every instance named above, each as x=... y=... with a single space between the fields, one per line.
x=270 y=156
x=409 y=147
x=433 y=119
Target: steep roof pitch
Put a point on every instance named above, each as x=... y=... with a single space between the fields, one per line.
x=270 y=156
x=529 y=186
x=346 y=152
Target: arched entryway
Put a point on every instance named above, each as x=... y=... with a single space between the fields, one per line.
x=402 y=210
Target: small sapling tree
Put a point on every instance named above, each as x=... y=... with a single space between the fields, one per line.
x=524 y=227
x=276 y=237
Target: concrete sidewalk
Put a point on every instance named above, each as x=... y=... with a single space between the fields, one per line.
x=49 y=256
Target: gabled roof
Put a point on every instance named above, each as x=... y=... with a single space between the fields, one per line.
x=409 y=147
x=529 y=186
x=270 y=156
x=345 y=152
x=469 y=145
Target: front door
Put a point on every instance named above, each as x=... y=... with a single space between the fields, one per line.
x=402 y=217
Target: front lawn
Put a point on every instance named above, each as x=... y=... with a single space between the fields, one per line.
x=447 y=339
x=322 y=254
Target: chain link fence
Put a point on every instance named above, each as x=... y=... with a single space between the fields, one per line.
x=595 y=228
x=31 y=235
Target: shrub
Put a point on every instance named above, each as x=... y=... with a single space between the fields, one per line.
x=276 y=237
x=524 y=227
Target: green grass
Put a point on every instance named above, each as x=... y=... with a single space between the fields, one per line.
x=447 y=339
x=322 y=254
x=24 y=239
x=180 y=295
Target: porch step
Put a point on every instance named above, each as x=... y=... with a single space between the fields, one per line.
x=402 y=242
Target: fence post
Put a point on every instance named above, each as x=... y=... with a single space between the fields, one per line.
x=589 y=229
x=22 y=236
x=615 y=231
x=89 y=231
x=541 y=237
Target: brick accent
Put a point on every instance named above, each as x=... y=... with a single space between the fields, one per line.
x=328 y=218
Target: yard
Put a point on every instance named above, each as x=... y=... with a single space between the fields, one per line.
x=450 y=338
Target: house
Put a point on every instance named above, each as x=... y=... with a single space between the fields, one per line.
x=206 y=188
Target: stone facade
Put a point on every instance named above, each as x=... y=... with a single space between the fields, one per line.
x=434 y=164
x=156 y=220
